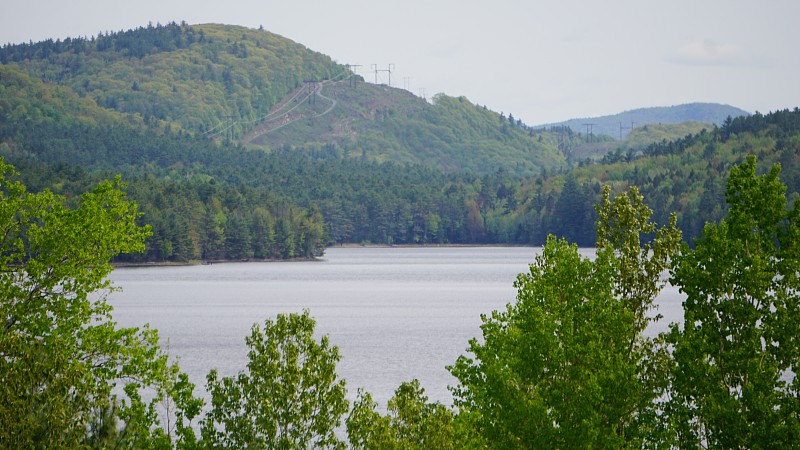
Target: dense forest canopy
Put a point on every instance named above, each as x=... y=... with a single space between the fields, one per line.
x=568 y=364
x=408 y=172
x=200 y=77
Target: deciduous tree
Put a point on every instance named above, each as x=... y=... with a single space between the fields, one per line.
x=61 y=354
x=412 y=422
x=290 y=397
x=737 y=353
x=567 y=365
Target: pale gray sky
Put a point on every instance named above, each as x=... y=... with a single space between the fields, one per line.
x=540 y=60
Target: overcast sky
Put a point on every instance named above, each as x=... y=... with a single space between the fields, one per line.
x=541 y=60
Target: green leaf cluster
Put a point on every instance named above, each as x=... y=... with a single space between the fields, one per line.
x=61 y=354
x=736 y=353
x=290 y=397
x=412 y=422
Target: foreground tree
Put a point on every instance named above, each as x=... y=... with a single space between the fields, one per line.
x=290 y=397
x=736 y=356
x=61 y=354
x=412 y=422
x=567 y=365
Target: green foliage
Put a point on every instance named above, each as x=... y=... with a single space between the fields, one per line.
x=736 y=354
x=684 y=176
x=412 y=423
x=197 y=76
x=568 y=365
x=61 y=352
x=382 y=124
x=290 y=397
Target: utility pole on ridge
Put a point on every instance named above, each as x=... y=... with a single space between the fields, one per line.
x=352 y=69
x=388 y=69
x=589 y=127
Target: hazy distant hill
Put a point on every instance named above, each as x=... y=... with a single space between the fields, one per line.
x=619 y=125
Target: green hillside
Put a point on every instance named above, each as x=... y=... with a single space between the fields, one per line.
x=201 y=77
x=210 y=199
x=381 y=123
x=237 y=83
x=641 y=137
x=258 y=162
x=685 y=176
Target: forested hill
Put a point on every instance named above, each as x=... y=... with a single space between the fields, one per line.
x=361 y=163
x=619 y=125
x=684 y=176
x=381 y=123
x=252 y=86
x=202 y=77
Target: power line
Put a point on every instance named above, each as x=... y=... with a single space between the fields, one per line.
x=352 y=68
x=311 y=89
x=589 y=128
x=389 y=69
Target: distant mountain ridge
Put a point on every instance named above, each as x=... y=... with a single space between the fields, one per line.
x=619 y=125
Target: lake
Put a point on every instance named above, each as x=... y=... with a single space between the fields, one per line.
x=395 y=313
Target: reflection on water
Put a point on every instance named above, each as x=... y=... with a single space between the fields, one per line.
x=394 y=313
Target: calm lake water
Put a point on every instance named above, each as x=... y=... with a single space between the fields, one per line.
x=395 y=313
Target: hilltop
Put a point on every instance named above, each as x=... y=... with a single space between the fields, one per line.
x=198 y=77
x=235 y=83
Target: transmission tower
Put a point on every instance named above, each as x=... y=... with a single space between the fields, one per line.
x=311 y=88
x=589 y=128
x=229 y=128
x=388 y=70
x=352 y=68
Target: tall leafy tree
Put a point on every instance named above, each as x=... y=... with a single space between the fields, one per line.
x=737 y=353
x=567 y=365
x=61 y=354
x=290 y=397
x=412 y=422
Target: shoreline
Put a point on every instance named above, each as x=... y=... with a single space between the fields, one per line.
x=356 y=245
x=121 y=265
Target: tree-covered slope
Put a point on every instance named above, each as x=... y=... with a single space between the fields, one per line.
x=211 y=199
x=381 y=123
x=685 y=176
x=202 y=77
x=267 y=91
x=363 y=163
